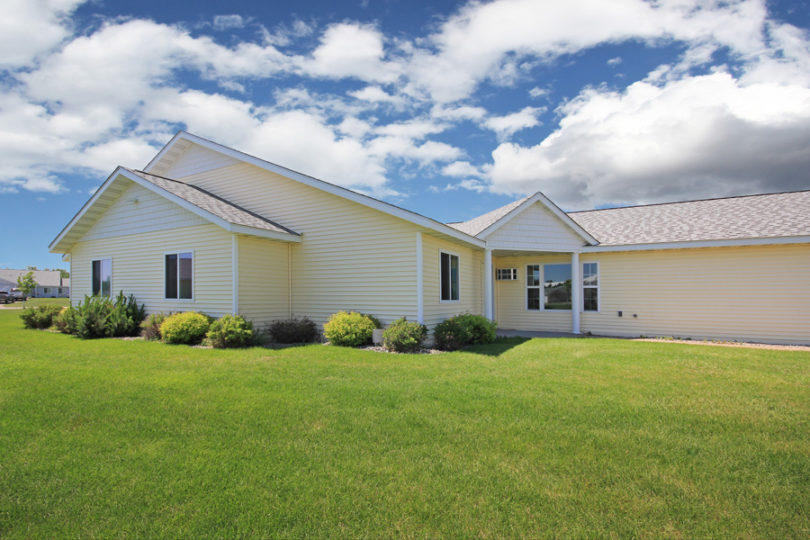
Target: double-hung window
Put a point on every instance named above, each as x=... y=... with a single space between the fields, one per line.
x=590 y=286
x=554 y=280
x=449 y=276
x=102 y=277
x=179 y=275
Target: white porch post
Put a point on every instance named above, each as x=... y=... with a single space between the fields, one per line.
x=576 y=292
x=420 y=296
x=489 y=311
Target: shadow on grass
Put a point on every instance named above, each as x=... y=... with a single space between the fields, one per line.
x=498 y=347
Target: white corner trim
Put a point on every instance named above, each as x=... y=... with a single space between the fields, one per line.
x=778 y=240
x=420 y=285
x=489 y=311
x=235 y=272
x=345 y=193
x=551 y=207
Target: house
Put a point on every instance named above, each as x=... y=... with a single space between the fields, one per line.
x=206 y=227
x=50 y=283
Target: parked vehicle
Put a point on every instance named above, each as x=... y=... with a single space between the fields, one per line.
x=6 y=297
x=17 y=294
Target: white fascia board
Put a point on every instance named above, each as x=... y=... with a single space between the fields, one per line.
x=83 y=210
x=779 y=240
x=345 y=193
x=264 y=233
x=553 y=208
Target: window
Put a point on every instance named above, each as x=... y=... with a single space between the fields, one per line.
x=60 y=290
x=506 y=274
x=590 y=286
x=45 y=290
x=449 y=276
x=179 y=275
x=102 y=277
x=556 y=285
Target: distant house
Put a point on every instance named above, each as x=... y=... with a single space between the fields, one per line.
x=50 y=283
x=205 y=227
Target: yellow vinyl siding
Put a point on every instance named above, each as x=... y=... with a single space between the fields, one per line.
x=138 y=267
x=535 y=228
x=350 y=256
x=510 y=298
x=471 y=271
x=758 y=293
x=263 y=280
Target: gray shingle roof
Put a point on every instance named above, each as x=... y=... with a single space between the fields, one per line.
x=213 y=204
x=751 y=216
x=478 y=224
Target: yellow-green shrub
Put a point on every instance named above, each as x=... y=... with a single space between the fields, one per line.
x=188 y=327
x=349 y=329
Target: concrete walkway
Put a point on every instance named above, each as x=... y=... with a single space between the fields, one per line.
x=503 y=332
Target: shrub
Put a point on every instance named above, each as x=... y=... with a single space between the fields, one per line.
x=189 y=328
x=404 y=336
x=39 y=317
x=375 y=320
x=348 y=329
x=150 y=328
x=293 y=331
x=230 y=331
x=462 y=330
x=66 y=320
x=99 y=317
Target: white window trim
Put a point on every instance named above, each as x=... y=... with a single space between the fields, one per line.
x=542 y=288
x=193 y=275
x=515 y=273
x=452 y=254
x=112 y=278
x=598 y=288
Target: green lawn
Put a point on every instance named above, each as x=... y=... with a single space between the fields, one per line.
x=41 y=302
x=555 y=437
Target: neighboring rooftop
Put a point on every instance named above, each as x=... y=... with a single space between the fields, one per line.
x=750 y=216
x=211 y=203
x=44 y=278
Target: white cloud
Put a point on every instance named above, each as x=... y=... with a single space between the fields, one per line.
x=704 y=135
x=507 y=125
x=461 y=168
x=615 y=61
x=349 y=50
x=29 y=28
x=538 y=92
x=229 y=22
x=375 y=94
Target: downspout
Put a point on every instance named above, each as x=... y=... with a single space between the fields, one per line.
x=420 y=297
x=235 y=272
x=289 y=281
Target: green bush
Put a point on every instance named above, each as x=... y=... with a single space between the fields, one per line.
x=66 y=320
x=150 y=328
x=462 y=330
x=348 y=329
x=404 y=336
x=188 y=328
x=99 y=317
x=39 y=317
x=377 y=323
x=230 y=331
x=293 y=331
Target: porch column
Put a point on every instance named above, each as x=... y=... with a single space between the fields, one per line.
x=576 y=292
x=420 y=286
x=489 y=311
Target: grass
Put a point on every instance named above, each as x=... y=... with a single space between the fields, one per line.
x=540 y=438
x=33 y=302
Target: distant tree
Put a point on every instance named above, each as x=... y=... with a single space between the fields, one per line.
x=31 y=268
x=64 y=273
x=26 y=284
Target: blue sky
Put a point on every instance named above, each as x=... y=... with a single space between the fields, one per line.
x=449 y=109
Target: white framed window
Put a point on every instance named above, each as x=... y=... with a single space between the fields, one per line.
x=179 y=275
x=449 y=277
x=590 y=286
x=548 y=287
x=102 y=277
x=506 y=274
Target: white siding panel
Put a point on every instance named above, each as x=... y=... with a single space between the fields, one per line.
x=536 y=228
x=139 y=210
x=138 y=267
x=196 y=159
x=263 y=280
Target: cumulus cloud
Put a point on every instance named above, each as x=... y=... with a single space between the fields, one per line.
x=507 y=125
x=229 y=22
x=703 y=135
x=349 y=50
x=29 y=28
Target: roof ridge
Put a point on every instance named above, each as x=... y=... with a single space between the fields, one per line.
x=690 y=201
x=217 y=197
